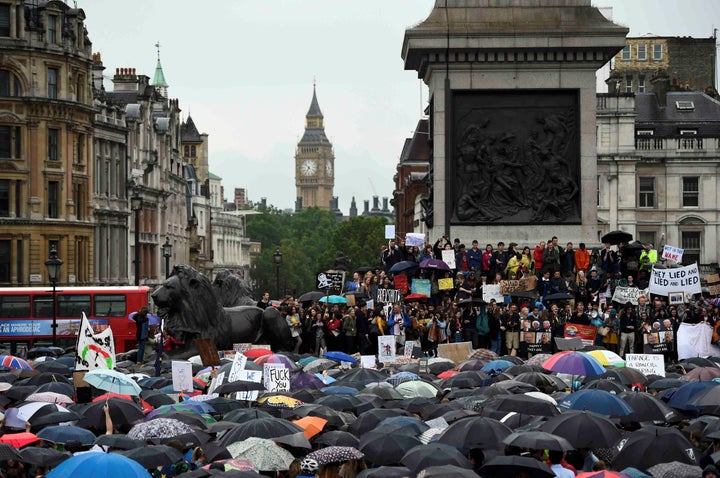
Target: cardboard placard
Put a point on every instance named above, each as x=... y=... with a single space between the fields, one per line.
x=445 y=284
x=712 y=278
x=646 y=363
x=569 y=344
x=207 y=351
x=458 y=352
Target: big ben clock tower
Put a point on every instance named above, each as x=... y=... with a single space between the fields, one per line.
x=314 y=161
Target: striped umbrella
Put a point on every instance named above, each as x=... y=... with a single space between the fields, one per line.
x=574 y=363
x=11 y=361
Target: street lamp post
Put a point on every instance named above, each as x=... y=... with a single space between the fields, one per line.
x=136 y=204
x=167 y=252
x=277 y=259
x=53 y=265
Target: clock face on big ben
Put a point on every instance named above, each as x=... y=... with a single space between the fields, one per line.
x=328 y=168
x=308 y=167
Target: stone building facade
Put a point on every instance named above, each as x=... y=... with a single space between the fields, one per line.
x=411 y=181
x=46 y=130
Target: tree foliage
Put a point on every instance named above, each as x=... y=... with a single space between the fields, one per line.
x=309 y=242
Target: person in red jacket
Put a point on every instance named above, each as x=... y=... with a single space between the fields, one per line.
x=582 y=259
x=538 y=257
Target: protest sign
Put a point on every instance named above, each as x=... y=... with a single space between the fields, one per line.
x=448 y=257
x=713 y=278
x=400 y=281
x=367 y=361
x=389 y=296
x=672 y=253
x=390 y=231
x=276 y=378
x=243 y=347
x=386 y=349
x=586 y=333
x=646 y=363
x=94 y=351
x=492 y=291
x=216 y=382
x=370 y=304
x=237 y=365
x=694 y=340
x=537 y=341
x=331 y=281
x=208 y=353
x=182 y=376
x=249 y=376
x=507 y=287
x=421 y=286
x=414 y=239
x=623 y=295
x=714 y=289
x=658 y=342
x=679 y=279
x=445 y=284
x=458 y=352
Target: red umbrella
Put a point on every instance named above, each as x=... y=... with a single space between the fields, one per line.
x=447 y=374
x=146 y=407
x=19 y=440
x=257 y=353
x=416 y=297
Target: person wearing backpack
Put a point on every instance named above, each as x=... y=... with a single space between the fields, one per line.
x=482 y=325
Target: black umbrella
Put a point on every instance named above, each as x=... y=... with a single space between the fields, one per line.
x=189 y=440
x=544 y=382
x=8 y=452
x=625 y=375
x=616 y=237
x=524 y=404
x=124 y=414
x=311 y=296
x=536 y=440
x=475 y=432
x=646 y=408
x=583 y=429
x=524 y=294
x=458 y=415
x=338 y=438
x=448 y=471
x=469 y=379
x=382 y=448
x=559 y=296
x=53 y=366
x=242 y=415
x=607 y=385
x=361 y=375
x=156 y=398
x=46 y=377
x=154 y=456
x=57 y=387
x=36 y=352
x=512 y=466
x=315 y=410
x=385 y=472
x=239 y=386
x=434 y=454
x=260 y=428
x=415 y=404
x=369 y=420
x=652 y=445
x=119 y=441
x=20 y=392
x=224 y=405
x=49 y=457
x=55 y=418
x=403 y=266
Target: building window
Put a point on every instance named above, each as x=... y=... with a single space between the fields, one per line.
x=691 y=191
x=53 y=136
x=5 y=261
x=10 y=142
x=646 y=192
x=187 y=150
x=691 y=244
x=626 y=52
x=4 y=198
x=657 y=52
x=79 y=200
x=52 y=28
x=193 y=151
x=4 y=20
x=9 y=84
x=628 y=84
x=641 y=84
x=647 y=237
x=53 y=199
x=80 y=149
x=642 y=51
x=52 y=83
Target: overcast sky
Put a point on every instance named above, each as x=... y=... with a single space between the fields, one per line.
x=244 y=70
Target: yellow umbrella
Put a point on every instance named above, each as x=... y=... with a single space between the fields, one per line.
x=280 y=401
x=607 y=358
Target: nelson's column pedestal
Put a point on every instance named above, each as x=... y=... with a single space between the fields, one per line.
x=512 y=116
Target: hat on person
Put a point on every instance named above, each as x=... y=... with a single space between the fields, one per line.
x=582 y=245
x=710 y=469
x=613 y=312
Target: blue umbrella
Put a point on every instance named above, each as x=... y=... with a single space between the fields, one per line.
x=496 y=365
x=306 y=360
x=403 y=266
x=112 y=381
x=334 y=299
x=339 y=390
x=66 y=433
x=340 y=357
x=598 y=401
x=94 y=464
x=401 y=377
x=682 y=396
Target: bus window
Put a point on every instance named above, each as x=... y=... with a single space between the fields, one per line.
x=42 y=307
x=107 y=305
x=15 y=306
x=73 y=305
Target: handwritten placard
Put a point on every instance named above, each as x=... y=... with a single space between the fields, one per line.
x=646 y=363
x=182 y=376
x=448 y=257
x=679 y=279
x=389 y=296
x=445 y=284
x=208 y=353
x=672 y=253
x=276 y=378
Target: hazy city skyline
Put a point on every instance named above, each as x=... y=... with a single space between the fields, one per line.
x=245 y=71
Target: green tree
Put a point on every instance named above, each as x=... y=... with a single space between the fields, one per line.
x=359 y=238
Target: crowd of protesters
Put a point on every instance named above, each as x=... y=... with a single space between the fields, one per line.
x=586 y=279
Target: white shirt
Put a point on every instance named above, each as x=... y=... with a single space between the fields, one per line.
x=562 y=472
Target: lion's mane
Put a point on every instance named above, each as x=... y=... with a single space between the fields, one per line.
x=233 y=290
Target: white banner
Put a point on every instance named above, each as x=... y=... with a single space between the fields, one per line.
x=276 y=377
x=624 y=295
x=249 y=376
x=237 y=365
x=386 y=349
x=679 y=279
x=216 y=382
x=448 y=257
x=390 y=231
x=646 y=363
x=94 y=351
x=672 y=253
x=389 y=296
x=492 y=291
x=182 y=376
x=367 y=361
x=693 y=340
x=414 y=239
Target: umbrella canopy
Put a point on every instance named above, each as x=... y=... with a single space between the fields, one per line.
x=447 y=471
x=525 y=404
x=403 y=266
x=646 y=407
x=11 y=361
x=49 y=397
x=511 y=466
x=436 y=264
x=119 y=441
x=674 y=469
x=703 y=374
x=9 y=452
x=156 y=398
x=684 y=395
x=93 y=465
x=607 y=358
x=333 y=299
x=496 y=366
x=122 y=412
x=574 y=363
x=652 y=445
x=279 y=401
x=382 y=448
x=19 y=440
x=538 y=359
x=260 y=428
x=343 y=357
x=264 y=454
x=242 y=415
x=369 y=420
x=112 y=381
x=159 y=428
x=66 y=433
x=385 y=472
x=536 y=440
x=475 y=432
x=470 y=379
x=338 y=438
x=598 y=401
x=483 y=354
x=154 y=456
x=417 y=389
x=52 y=366
x=335 y=454
x=311 y=425
x=310 y=296
x=617 y=237
x=626 y=375
x=49 y=457
x=17 y=417
x=239 y=386
x=434 y=454
x=276 y=358
x=607 y=385
x=583 y=429
x=559 y=296
x=320 y=365
x=256 y=353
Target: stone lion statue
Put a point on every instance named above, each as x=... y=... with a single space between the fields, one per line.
x=192 y=308
x=232 y=289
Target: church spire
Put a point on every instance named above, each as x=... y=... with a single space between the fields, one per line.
x=314 y=117
x=159 y=78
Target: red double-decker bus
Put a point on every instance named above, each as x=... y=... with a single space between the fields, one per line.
x=26 y=314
